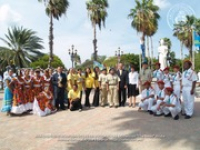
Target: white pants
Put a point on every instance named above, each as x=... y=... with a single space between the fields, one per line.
x=147 y=104
x=154 y=107
x=173 y=110
x=156 y=87
x=177 y=91
x=188 y=100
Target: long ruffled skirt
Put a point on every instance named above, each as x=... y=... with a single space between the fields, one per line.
x=7 y=101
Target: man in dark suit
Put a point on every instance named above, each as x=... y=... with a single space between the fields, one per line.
x=123 y=84
x=59 y=80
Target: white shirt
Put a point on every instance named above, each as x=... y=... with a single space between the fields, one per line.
x=167 y=80
x=176 y=79
x=145 y=93
x=188 y=77
x=161 y=93
x=158 y=74
x=172 y=99
x=133 y=78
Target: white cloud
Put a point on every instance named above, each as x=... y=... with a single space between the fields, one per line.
x=9 y=16
x=162 y=3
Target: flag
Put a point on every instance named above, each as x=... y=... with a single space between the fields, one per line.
x=97 y=64
x=196 y=39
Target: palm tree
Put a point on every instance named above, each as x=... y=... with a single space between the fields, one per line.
x=145 y=18
x=179 y=33
x=54 y=9
x=22 y=47
x=184 y=32
x=97 y=13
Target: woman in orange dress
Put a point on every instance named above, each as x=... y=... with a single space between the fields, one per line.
x=46 y=80
x=18 y=105
x=37 y=83
x=43 y=103
x=28 y=94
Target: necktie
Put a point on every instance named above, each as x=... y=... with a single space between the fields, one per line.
x=169 y=100
x=185 y=75
x=160 y=93
x=147 y=93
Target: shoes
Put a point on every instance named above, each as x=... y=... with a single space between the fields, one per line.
x=176 y=117
x=80 y=110
x=63 y=108
x=150 y=112
x=168 y=115
x=158 y=115
x=187 y=117
x=116 y=106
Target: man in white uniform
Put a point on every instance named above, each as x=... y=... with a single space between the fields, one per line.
x=189 y=79
x=171 y=105
x=176 y=81
x=157 y=76
x=159 y=98
x=147 y=98
x=167 y=77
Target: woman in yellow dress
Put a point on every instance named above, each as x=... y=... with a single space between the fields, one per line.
x=95 y=76
x=74 y=96
x=80 y=82
x=88 y=85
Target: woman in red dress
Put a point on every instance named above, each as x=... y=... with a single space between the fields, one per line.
x=42 y=104
x=37 y=83
x=18 y=105
x=28 y=94
x=46 y=80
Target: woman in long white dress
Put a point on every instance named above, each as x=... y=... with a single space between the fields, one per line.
x=42 y=105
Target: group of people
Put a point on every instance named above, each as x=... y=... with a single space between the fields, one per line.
x=164 y=97
x=46 y=91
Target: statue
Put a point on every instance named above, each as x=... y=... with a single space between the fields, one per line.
x=163 y=51
x=142 y=46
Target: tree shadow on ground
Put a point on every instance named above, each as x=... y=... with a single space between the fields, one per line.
x=86 y=145
x=167 y=131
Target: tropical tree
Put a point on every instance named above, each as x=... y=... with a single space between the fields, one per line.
x=145 y=18
x=23 y=47
x=42 y=62
x=54 y=9
x=184 y=32
x=97 y=11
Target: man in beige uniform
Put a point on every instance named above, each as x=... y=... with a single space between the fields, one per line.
x=113 y=87
x=145 y=75
x=103 y=87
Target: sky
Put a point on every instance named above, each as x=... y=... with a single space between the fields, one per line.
x=75 y=27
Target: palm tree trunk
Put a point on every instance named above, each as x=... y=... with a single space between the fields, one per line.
x=51 y=40
x=151 y=51
x=20 y=62
x=148 y=53
x=182 y=55
x=95 y=42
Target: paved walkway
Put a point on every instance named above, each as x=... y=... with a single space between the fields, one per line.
x=99 y=129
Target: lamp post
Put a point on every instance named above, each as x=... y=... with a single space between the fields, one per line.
x=73 y=54
x=118 y=54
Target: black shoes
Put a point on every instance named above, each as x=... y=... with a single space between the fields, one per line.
x=158 y=115
x=150 y=112
x=168 y=115
x=187 y=117
x=176 y=117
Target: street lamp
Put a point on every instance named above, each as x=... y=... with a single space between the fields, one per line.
x=73 y=54
x=118 y=54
